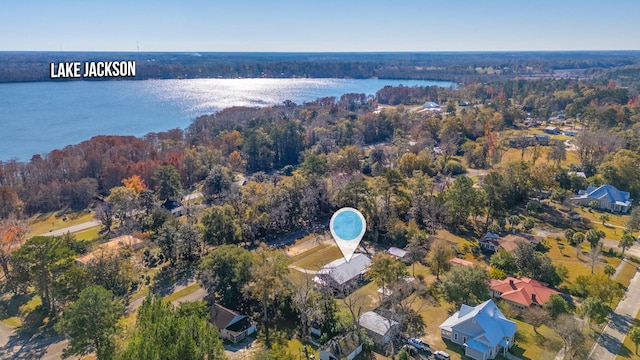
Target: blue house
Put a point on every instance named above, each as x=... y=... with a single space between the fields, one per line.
x=483 y=330
x=608 y=196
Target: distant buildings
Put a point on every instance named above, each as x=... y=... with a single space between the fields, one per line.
x=552 y=130
x=431 y=106
x=529 y=140
x=483 y=330
x=521 y=293
x=608 y=197
x=342 y=276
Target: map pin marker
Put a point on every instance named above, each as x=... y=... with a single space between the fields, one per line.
x=347 y=227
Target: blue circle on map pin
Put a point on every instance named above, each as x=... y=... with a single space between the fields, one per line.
x=347 y=224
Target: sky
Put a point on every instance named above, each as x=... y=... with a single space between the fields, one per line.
x=319 y=25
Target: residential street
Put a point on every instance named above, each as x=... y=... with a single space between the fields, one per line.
x=607 y=346
x=73 y=229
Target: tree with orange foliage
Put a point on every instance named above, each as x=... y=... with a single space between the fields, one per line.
x=12 y=236
x=135 y=183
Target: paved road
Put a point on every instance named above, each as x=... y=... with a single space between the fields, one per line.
x=633 y=250
x=194 y=296
x=73 y=229
x=619 y=324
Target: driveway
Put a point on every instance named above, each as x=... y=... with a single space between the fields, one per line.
x=608 y=345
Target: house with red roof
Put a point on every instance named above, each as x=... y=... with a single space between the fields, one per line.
x=521 y=293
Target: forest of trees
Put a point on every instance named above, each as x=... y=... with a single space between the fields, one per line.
x=405 y=170
x=468 y=68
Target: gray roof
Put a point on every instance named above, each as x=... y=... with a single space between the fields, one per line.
x=376 y=323
x=342 y=271
x=341 y=347
x=430 y=105
x=396 y=252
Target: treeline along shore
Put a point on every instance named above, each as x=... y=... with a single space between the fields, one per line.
x=462 y=67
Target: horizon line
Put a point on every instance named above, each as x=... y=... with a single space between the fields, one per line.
x=325 y=52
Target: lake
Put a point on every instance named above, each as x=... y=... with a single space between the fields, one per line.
x=41 y=116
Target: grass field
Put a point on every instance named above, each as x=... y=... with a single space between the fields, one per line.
x=309 y=252
x=564 y=253
x=529 y=345
x=316 y=258
x=43 y=223
x=627 y=273
x=516 y=155
x=90 y=235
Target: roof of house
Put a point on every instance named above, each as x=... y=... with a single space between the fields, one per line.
x=523 y=291
x=342 y=271
x=510 y=242
x=430 y=105
x=396 y=252
x=112 y=246
x=376 y=323
x=609 y=192
x=483 y=324
x=342 y=346
x=224 y=318
x=577 y=173
x=458 y=261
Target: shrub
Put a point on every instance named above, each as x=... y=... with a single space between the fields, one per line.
x=454 y=168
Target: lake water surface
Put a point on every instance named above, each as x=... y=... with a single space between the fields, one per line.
x=42 y=116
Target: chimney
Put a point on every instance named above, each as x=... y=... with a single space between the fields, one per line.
x=511 y=283
x=533 y=298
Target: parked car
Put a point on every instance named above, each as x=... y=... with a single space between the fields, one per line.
x=410 y=349
x=441 y=355
x=418 y=344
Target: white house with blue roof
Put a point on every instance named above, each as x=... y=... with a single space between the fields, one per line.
x=609 y=197
x=483 y=330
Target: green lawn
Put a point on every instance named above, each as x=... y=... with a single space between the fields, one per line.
x=316 y=259
x=563 y=253
x=43 y=223
x=309 y=252
x=627 y=273
x=529 y=345
x=90 y=234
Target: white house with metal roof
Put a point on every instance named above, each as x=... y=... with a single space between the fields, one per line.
x=609 y=197
x=344 y=276
x=483 y=330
